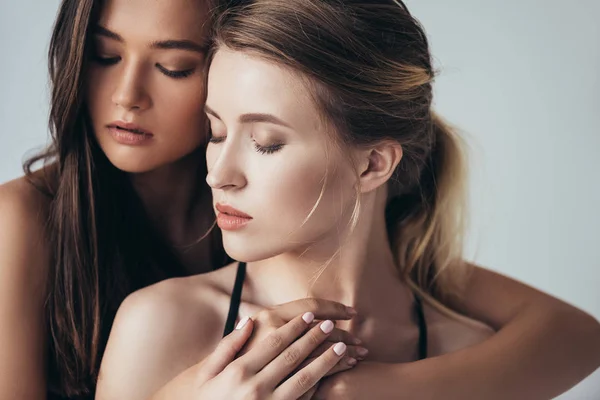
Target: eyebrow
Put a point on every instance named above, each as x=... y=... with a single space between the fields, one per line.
x=160 y=44
x=252 y=118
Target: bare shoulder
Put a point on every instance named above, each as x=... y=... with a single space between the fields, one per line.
x=173 y=303
x=24 y=263
x=449 y=331
x=24 y=248
x=159 y=332
x=24 y=205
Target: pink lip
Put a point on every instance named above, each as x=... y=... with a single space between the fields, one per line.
x=225 y=209
x=129 y=126
x=128 y=133
x=229 y=219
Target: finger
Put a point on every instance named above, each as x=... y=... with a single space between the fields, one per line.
x=344 y=365
x=274 y=344
x=358 y=352
x=227 y=349
x=302 y=381
x=346 y=362
x=309 y=395
x=322 y=309
x=284 y=364
x=340 y=335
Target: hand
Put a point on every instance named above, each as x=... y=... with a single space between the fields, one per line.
x=270 y=319
x=263 y=372
x=377 y=381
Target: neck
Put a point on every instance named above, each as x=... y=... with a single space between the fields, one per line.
x=359 y=272
x=172 y=196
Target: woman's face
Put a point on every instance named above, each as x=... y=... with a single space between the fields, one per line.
x=146 y=84
x=271 y=158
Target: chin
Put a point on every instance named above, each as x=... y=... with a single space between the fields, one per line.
x=133 y=166
x=246 y=251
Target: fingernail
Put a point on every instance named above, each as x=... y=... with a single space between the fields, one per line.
x=327 y=326
x=351 y=361
x=351 y=311
x=361 y=351
x=308 y=317
x=242 y=323
x=339 y=348
x=357 y=341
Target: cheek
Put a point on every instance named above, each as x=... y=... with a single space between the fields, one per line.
x=294 y=191
x=181 y=107
x=294 y=187
x=97 y=92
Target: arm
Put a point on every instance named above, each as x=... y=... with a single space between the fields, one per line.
x=543 y=347
x=23 y=268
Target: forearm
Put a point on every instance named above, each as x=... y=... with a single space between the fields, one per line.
x=541 y=353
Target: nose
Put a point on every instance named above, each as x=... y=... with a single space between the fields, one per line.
x=224 y=168
x=130 y=92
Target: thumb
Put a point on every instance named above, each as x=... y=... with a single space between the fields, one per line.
x=228 y=348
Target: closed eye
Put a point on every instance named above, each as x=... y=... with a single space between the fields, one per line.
x=175 y=74
x=106 y=61
x=268 y=149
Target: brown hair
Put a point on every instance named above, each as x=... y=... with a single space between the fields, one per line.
x=103 y=244
x=371 y=73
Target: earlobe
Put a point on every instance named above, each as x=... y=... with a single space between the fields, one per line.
x=379 y=163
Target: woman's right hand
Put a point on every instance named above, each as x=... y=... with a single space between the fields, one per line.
x=264 y=372
x=270 y=319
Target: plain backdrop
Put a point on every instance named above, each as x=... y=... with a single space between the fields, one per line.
x=522 y=80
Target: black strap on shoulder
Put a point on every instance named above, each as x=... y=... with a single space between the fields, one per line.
x=236 y=295
x=422 y=328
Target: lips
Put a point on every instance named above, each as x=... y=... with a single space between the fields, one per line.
x=228 y=210
x=230 y=219
x=129 y=127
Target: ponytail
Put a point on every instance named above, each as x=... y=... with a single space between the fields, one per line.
x=426 y=224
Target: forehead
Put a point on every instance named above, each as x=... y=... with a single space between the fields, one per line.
x=247 y=83
x=150 y=20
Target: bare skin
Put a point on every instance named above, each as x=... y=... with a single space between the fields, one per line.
x=191 y=313
x=24 y=260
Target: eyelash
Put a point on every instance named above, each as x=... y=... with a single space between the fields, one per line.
x=171 y=74
x=260 y=149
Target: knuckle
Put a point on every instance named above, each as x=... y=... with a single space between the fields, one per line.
x=313 y=338
x=303 y=381
x=291 y=356
x=274 y=341
x=236 y=372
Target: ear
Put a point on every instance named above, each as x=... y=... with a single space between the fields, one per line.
x=377 y=164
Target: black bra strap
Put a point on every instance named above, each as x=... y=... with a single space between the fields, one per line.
x=236 y=295
x=422 y=329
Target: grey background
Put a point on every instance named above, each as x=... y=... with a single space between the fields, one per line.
x=521 y=78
